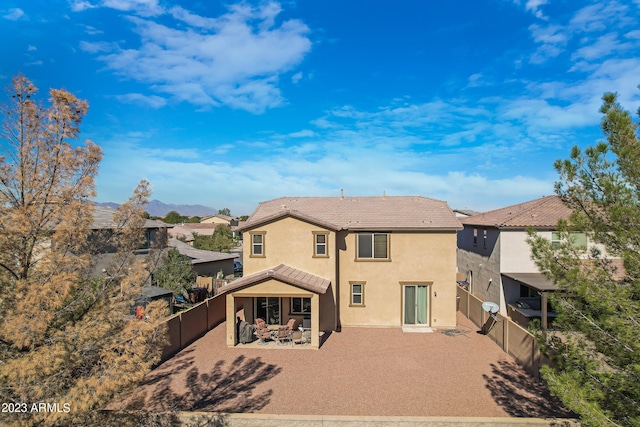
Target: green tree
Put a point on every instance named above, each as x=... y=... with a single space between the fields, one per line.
x=224 y=211
x=596 y=349
x=220 y=241
x=223 y=238
x=173 y=217
x=175 y=272
x=65 y=336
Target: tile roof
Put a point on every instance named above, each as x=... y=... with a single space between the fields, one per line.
x=540 y=213
x=199 y=256
x=387 y=212
x=103 y=219
x=283 y=273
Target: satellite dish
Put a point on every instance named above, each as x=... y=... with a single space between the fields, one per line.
x=490 y=307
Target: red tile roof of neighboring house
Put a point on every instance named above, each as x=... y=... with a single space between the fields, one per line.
x=364 y=213
x=539 y=213
x=283 y=273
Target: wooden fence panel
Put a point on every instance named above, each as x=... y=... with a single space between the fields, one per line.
x=173 y=332
x=476 y=311
x=523 y=347
x=498 y=329
x=511 y=337
x=193 y=324
x=216 y=311
x=464 y=301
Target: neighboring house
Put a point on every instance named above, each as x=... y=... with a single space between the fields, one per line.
x=155 y=232
x=205 y=263
x=185 y=231
x=464 y=213
x=347 y=261
x=231 y=221
x=495 y=258
x=155 y=235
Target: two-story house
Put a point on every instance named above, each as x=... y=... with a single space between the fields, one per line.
x=495 y=257
x=347 y=261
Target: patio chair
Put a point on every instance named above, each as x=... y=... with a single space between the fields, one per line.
x=262 y=332
x=285 y=332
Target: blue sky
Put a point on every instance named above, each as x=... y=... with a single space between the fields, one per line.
x=227 y=104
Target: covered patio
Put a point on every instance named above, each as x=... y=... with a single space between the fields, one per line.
x=276 y=295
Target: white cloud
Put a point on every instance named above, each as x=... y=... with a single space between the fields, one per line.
x=309 y=169
x=92 y=30
x=97 y=47
x=295 y=79
x=14 y=14
x=233 y=60
x=31 y=48
x=599 y=16
x=605 y=45
x=141 y=7
x=552 y=39
x=140 y=99
x=305 y=133
x=533 y=6
x=80 y=5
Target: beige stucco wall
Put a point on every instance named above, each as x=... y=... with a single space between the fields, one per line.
x=515 y=252
x=291 y=241
x=417 y=258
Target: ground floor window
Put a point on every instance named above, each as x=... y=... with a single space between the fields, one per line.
x=300 y=305
x=357 y=294
x=268 y=308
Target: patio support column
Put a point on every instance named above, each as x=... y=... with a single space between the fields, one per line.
x=231 y=320
x=315 y=321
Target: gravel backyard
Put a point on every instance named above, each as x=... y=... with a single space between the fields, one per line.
x=359 y=371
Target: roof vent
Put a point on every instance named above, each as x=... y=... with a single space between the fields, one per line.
x=270 y=273
x=283 y=206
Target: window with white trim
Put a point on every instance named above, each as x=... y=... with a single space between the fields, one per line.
x=320 y=242
x=373 y=245
x=357 y=294
x=257 y=244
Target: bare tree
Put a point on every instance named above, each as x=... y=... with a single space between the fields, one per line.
x=66 y=338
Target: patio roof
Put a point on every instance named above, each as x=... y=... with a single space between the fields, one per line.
x=283 y=273
x=533 y=280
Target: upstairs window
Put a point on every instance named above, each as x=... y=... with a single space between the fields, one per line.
x=577 y=238
x=257 y=244
x=320 y=241
x=475 y=237
x=373 y=245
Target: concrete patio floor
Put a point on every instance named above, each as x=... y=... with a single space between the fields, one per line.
x=358 y=372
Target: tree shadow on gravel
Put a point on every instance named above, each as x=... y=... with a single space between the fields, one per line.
x=521 y=395
x=227 y=389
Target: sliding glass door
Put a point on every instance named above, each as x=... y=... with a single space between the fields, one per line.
x=268 y=308
x=415 y=304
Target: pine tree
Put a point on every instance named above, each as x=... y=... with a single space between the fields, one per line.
x=595 y=349
x=66 y=337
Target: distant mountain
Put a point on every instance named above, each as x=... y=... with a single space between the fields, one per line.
x=157 y=208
